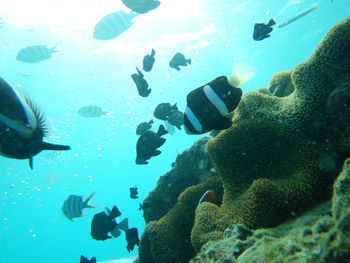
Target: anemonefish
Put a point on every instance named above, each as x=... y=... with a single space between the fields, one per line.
x=209 y=196
x=208 y=104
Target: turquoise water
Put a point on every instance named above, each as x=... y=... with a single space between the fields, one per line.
x=214 y=34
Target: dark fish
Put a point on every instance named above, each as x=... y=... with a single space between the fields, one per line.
x=176 y=119
x=133 y=192
x=141 y=83
x=208 y=105
x=92 y=112
x=148 y=61
x=141 y=6
x=22 y=126
x=112 y=25
x=262 y=31
x=164 y=110
x=132 y=238
x=123 y=225
x=143 y=127
x=148 y=143
x=85 y=260
x=296 y=17
x=73 y=206
x=140 y=206
x=179 y=60
x=34 y=54
x=102 y=224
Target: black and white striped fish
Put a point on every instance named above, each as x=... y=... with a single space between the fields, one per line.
x=92 y=111
x=34 y=54
x=73 y=206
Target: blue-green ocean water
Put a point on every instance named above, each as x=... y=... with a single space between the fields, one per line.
x=214 y=34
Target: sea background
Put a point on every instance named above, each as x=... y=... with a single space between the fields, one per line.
x=214 y=34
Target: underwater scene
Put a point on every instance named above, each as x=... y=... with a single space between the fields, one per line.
x=171 y=131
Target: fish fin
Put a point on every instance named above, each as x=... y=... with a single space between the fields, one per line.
x=188 y=61
x=115 y=212
x=54 y=147
x=139 y=72
x=240 y=74
x=174 y=107
x=156 y=153
x=107 y=113
x=83 y=259
x=124 y=224
x=161 y=131
x=31 y=163
x=271 y=22
x=178 y=127
x=140 y=160
x=153 y=52
x=177 y=68
x=151 y=122
x=86 y=205
x=92 y=260
x=115 y=232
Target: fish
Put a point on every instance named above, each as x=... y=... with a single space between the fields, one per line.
x=148 y=61
x=123 y=225
x=73 y=206
x=148 y=143
x=208 y=105
x=112 y=25
x=34 y=54
x=179 y=60
x=141 y=83
x=208 y=196
x=262 y=31
x=140 y=207
x=143 y=127
x=141 y=6
x=85 y=260
x=92 y=111
x=297 y=17
x=103 y=223
x=176 y=119
x=22 y=126
x=133 y=192
x=132 y=238
x=163 y=110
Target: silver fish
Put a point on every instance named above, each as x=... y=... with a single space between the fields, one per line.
x=296 y=17
x=92 y=112
x=73 y=206
x=112 y=25
x=34 y=54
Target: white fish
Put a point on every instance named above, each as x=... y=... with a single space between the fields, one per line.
x=34 y=54
x=112 y=25
x=120 y=260
x=92 y=112
x=73 y=206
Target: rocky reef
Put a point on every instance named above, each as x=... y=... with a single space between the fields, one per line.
x=279 y=159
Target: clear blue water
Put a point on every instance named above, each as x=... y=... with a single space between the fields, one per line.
x=86 y=71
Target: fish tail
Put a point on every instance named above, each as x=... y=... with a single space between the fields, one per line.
x=54 y=147
x=151 y=122
x=124 y=224
x=161 y=131
x=86 y=205
x=115 y=212
x=189 y=61
x=153 y=52
x=240 y=74
x=271 y=22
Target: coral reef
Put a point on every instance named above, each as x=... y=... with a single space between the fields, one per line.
x=191 y=167
x=319 y=235
x=168 y=239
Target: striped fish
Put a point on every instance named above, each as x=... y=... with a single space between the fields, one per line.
x=112 y=25
x=92 y=112
x=73 y=206
x=34 y=54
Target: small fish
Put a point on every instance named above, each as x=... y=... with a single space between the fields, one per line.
x=148 y=61
x=208 y=196
x=85 y=260
x=262 y=31
x=143 y=127
x=141 y=6
x=208 y=105
x=148 y=143
x=102 y=224
x=112 y=25
x=34 y=54
x=22 y=126
x=141 y=84
x=163 y=110
x=179 y=60
x=296 y=17
x=176 y=119
x=133 y=192
x=92 y=112
x=140 y=207
x=132 y=238
x=73 y=206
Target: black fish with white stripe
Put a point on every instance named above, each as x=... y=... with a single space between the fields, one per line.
x=35 y=54
x=73 y=206
x=208 y=105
